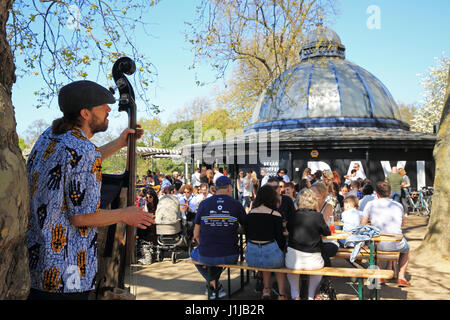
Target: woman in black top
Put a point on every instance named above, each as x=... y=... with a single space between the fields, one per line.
x=265 y=240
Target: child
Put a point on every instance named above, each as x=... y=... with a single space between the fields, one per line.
x=344 y=190
x=351 y=216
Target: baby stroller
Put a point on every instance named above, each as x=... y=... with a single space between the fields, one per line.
x=171 y=229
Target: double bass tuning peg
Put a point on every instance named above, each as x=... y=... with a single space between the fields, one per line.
x=112 y=90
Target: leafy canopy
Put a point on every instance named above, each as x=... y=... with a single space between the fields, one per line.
x=61 y=41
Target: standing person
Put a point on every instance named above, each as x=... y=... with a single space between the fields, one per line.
x=195 y=178
x=307 y=174
x=204 y=176
x=289 y=190
x=306 y=228
x=64 y=176
x=210 y=176
x=406 y=184
x=387 y=215
x=282 y=173
x=395 y=180
x=317 y=177
x=358 y=173
x=248 y=190
x=255 y=181
x=217 y=174
x=176 y=179
x=216 y=231
x=240 y=186
x=336 y=177
x=265 y=240
x=156 y=178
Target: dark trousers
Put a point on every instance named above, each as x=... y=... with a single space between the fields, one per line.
x=42 y=295
x=328 y=250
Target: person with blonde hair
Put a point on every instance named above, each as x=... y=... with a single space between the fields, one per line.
x=255 y=181
x=326 y=206
x=306 y=228
x=307 y=174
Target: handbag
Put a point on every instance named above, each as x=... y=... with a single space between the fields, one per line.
x=326 y=291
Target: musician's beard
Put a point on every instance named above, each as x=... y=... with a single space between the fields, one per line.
x=96 y=125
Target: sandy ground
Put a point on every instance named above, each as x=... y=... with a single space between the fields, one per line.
x=181 y=281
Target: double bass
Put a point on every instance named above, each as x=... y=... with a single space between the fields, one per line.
x=116 y=243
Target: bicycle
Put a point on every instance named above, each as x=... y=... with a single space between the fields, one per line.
x=420 y=201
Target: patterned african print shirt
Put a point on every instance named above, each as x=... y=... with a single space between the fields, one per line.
x=64 y=176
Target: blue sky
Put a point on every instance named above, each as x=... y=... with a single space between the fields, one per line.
x=411 y=34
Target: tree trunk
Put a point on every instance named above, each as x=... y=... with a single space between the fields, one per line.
x=437 y=240
x=14 y=198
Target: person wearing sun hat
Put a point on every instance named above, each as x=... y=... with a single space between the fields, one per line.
x=217 y=222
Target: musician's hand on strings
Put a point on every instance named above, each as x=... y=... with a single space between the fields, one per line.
x=123 y=138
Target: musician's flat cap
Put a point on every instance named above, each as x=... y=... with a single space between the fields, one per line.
x=83 y=94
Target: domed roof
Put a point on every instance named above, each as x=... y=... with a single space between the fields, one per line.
x=325 y=90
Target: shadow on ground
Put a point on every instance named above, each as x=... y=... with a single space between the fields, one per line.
x=181 y=281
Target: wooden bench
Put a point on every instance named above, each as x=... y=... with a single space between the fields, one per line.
x=365 y=255
x=360 y=274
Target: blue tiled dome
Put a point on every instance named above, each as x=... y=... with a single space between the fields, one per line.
x=326 y=90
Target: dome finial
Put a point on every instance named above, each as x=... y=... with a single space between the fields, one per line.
x=322 y=42
x=320 y=22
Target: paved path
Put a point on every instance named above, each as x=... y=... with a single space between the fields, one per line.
x=181 y=281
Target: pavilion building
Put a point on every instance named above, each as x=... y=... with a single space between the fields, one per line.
x=324 y=113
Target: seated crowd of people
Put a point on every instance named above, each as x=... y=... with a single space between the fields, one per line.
x=283 y=222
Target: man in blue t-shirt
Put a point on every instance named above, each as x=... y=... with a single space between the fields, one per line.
x=216 y=231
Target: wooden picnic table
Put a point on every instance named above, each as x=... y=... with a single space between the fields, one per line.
x=340 y=235
x=373 y=256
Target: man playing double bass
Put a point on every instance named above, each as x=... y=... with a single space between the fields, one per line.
x=65 y=176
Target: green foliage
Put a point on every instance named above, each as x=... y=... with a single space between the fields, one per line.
x=22 y=144
x=408 y=112
x=220 y=120
x=177 y=134
x=115 y=164
x=260 y=39
x=61 y=41
x=152 y=131
x=168 y=166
